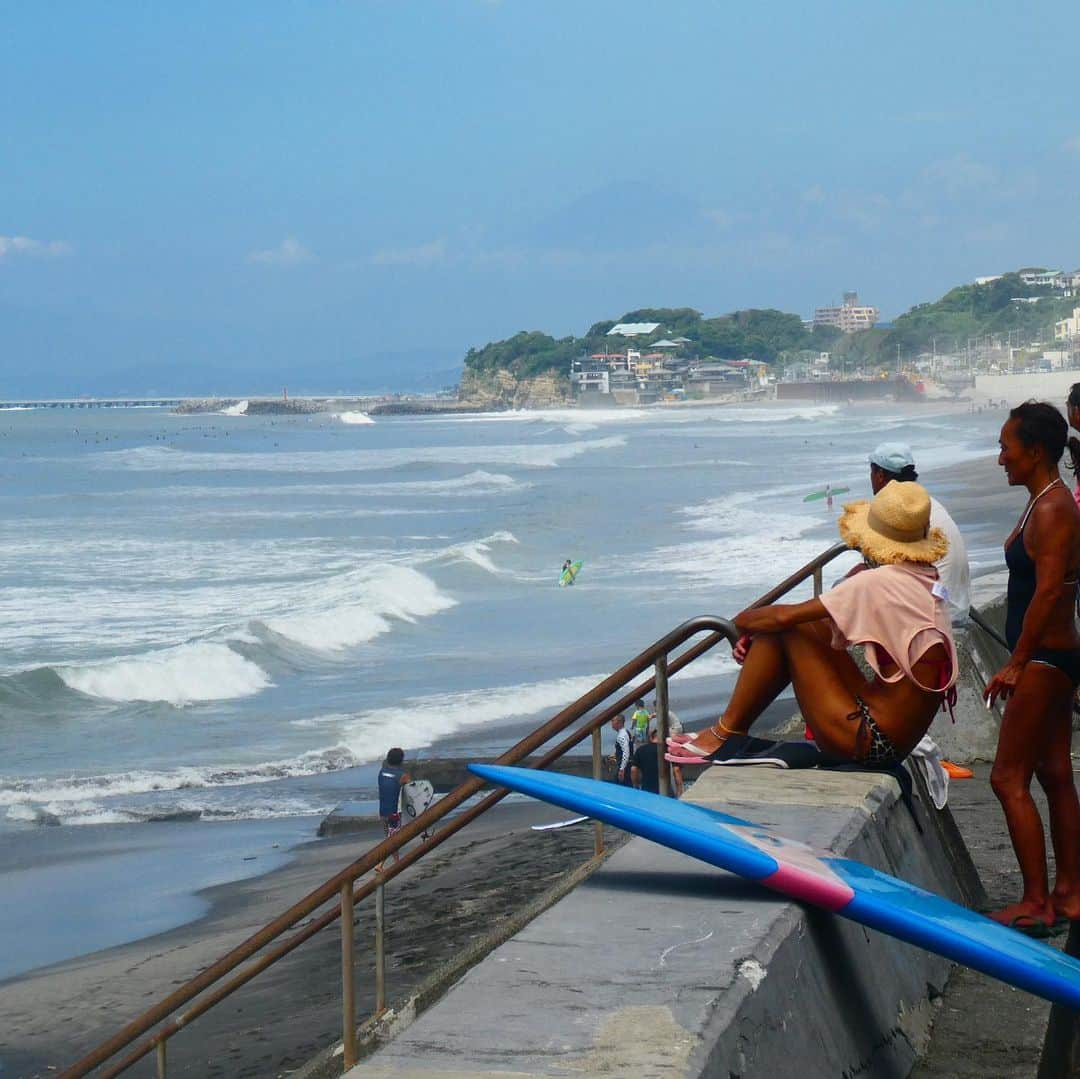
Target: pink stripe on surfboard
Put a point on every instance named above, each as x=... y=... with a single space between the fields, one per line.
x=805 y=884
x=801 y=872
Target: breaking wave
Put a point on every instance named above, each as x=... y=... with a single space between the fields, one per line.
x=166 y=459
x=186 y=674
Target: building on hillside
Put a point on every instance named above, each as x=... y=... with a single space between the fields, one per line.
x=988 y=280
x=590 y=375
x=1043 y=278
x=1068 y=328
x=633 y=329
x=850 y=316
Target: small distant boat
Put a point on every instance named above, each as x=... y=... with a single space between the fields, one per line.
x=825 y=492
x=567 y=576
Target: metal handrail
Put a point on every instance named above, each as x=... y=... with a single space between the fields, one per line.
x=341 y=885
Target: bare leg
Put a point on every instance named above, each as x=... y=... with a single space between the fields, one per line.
x=763 y=677
x=1055 y=775
x=825 y=682
x=1022 y=742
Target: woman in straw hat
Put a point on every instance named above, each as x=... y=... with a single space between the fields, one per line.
x=1042 y=673
x=894 y=607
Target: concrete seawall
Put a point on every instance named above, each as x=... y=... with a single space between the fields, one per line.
x=660 y=965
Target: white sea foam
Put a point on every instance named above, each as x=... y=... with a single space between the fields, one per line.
x=478 y=552
x=320 y=590
x=185 y=674
x=56 y=793
x=355 y=418
x=358 y=606
x=754 y=538
x=471 y=484
x=534 y=455
x=239 y=409
x=423 y=721
x=714 y=663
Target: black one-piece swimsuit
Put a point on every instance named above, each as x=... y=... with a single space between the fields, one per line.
x=1021 y=591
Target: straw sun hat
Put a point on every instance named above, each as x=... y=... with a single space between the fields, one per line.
x=894 y=527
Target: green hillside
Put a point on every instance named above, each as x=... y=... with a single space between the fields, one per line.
x=758 y=334
x=968 y=311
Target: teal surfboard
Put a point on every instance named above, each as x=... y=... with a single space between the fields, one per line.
x=840 y=885
x=816 y=496
x=567 y=576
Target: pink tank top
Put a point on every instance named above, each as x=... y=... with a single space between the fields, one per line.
x=893 y=611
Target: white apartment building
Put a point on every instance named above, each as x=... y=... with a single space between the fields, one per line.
x=850 y=316
x=1068 y=328
x=1048 y=278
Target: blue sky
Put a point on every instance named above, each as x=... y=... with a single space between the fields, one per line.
x=219 y=197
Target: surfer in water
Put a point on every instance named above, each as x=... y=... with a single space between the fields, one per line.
x=1042 y=673
x=892 y=606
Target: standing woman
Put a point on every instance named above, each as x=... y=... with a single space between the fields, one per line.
x=1038 y=681
x=1072 y=404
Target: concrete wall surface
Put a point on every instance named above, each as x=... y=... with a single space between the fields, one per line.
x=1052 y=386
x=659 y=965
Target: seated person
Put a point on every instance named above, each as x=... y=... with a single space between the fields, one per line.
x=893 y=607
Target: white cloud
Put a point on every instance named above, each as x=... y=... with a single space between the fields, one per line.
x=960 y=174
x=1071 y=146
x=11 y=246
x=813 y=194
x=422 y=255
x=721 y=218
x=290 y=252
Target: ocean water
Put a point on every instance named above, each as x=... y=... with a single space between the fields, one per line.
x=234 y=617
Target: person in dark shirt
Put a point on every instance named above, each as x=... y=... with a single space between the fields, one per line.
x=646 y=768
x=392 y=777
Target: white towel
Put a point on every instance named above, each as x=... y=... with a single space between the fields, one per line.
x=926 y=756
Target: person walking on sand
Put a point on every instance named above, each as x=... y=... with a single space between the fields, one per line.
x=1042 y=673
x=893 y=607
x=392 y=777
x=621 y=757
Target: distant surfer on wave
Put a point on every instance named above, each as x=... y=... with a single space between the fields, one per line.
x=893 y=607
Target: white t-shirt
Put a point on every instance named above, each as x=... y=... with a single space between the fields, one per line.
x=953 y=570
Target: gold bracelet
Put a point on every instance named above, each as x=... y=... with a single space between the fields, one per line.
x=727 y=730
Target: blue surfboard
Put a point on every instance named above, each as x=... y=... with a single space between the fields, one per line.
x=840 y=885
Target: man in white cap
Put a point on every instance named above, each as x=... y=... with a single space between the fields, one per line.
x=894 y=461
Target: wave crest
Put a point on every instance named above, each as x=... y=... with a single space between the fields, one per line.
x=185 y=674
x=382 y=593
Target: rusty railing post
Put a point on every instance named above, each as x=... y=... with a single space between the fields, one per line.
x=348 y=976
x=817 y=581
x=597 y=773
x=662 y=722
x=162 y=1062
x=380 y=950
